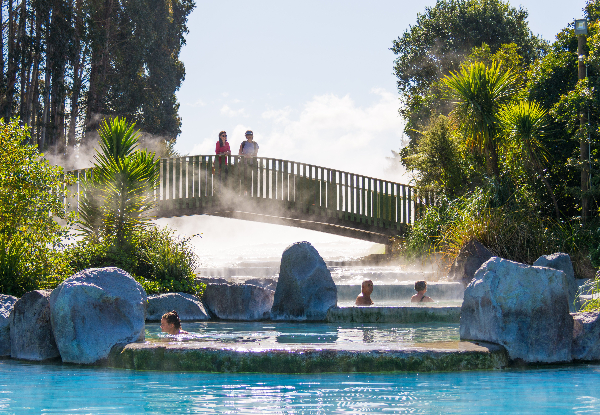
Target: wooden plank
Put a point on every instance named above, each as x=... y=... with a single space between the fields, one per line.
x=376 y=203
x=369 y=202
x=171 y=183
x=163 y=179
x=409 y=220
x=398 y=207
x=363 y=194
x=346 y=197
x=352 y=197
x=254 y=172
x=196 y=181
x=184 y=175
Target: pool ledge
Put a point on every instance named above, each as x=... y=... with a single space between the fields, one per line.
x=374 y=314
x=203 y=357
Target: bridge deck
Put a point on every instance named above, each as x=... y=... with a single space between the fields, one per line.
x=283 y=192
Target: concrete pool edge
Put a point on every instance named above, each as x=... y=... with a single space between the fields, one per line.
x=406 y=314
x=192 y=357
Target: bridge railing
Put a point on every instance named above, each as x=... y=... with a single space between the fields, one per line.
x=195 y=182
x=191 y=184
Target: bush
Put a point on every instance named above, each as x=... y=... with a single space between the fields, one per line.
x=517 y=234
x=31 y=196
x=155 y=257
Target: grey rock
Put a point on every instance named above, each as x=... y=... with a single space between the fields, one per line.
x=521 y=307
x=94 y=310
x=562 y=262
x=238 y=301
x=7 y=303
x=188 y=307
x=31 y=336
x=586 y=336
x=467 y=262
x=305 y=289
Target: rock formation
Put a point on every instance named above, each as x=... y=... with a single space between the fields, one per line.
x=305 y=289
x=31 y=336
x=563 y=263
x=188 y=307
x=94 y=310
x=467 y=262
x=238 y=301
x=7 y=303
x=586 y=336
x=523 y=308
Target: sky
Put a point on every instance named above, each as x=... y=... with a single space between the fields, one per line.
x=314 y=80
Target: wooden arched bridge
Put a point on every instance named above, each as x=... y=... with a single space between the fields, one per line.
x=283 y=192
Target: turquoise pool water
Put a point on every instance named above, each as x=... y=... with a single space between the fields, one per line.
x=35 y=388
x=317 y=334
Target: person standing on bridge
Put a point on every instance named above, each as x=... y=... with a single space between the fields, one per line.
x=249 y=148
x=222 y=152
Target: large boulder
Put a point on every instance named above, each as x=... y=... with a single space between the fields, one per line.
x=238 y=301
x=522 y=307
x=470 y=257
x=188 y=307
x=7 y=303
x=586 y=336
x=563 y=263
x=31 y=335
x=94 y=310
x=305 y=289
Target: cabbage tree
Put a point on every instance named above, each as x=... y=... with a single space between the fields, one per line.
x=525 y=123
x=120 y=191
x=479 y=92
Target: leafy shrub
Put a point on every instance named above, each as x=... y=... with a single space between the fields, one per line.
x=155 y=257
x=517 y=234
x=31 y=195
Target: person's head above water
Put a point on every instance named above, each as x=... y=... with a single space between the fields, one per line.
x=170 y=323
x=367 y=287
x=420 y=288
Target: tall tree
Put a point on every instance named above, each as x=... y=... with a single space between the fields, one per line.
x=440 y=40
x=68 y=63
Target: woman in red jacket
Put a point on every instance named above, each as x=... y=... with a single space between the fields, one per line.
x=222 y=151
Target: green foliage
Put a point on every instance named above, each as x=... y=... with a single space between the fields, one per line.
x=524 y=125
x=113 y=217
x=479 y=92
x=31 y=197
x=121 y=189
x=516 y=234
x=154 y=256
x=135 y=47
x=441 y=39
x=437 y=160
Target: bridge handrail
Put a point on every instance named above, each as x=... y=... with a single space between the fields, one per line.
x=192 y=183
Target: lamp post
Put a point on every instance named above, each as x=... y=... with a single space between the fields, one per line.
x=584 y=144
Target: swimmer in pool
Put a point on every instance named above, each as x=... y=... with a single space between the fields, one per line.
x=364 y=298
x=171 y=324
x=420 y=297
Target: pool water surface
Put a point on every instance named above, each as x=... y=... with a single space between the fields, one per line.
x=27 y=388
x=316 y=334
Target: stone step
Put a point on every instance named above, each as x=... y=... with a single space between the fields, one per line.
x=372 y=314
